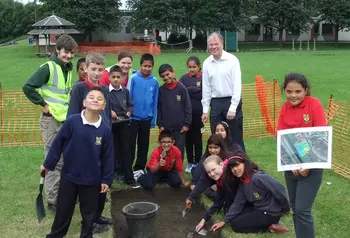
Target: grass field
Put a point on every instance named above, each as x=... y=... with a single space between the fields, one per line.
x=327 y=70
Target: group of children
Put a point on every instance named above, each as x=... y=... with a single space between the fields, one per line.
x=253 y=201
x=108 y=117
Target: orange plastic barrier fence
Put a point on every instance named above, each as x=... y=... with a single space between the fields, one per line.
x=20 y=118
x=338 y=114
x=134 y=47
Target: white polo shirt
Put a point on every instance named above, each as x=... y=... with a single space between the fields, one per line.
x=220 y=79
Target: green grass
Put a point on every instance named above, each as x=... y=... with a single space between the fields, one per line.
x=327 y=70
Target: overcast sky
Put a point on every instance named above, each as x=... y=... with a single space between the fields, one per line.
x=122 y=7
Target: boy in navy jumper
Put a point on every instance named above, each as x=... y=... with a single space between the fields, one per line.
x=88 y=164
x=174 y=107
x=95 y=64
x=144 y=93
x=165 y=165
x=122 y=106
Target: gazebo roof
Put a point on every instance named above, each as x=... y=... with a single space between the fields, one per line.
x=53 y=31
x=52 y=20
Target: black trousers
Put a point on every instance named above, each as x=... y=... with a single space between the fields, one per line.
x=194 y=140
x=122 y=157
x=219 y=109
x=66 y=199
x=150 y=180
x=140 y=130
x=253 y=221
x=180 y=140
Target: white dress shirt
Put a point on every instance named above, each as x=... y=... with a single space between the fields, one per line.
x=111 y=88
x=221 y=78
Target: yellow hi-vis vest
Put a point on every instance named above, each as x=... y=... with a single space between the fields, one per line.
x=56 y=92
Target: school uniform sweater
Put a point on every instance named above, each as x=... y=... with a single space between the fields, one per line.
x=173 y=159
x=120 y=100
x=80 y=90
x=265 y=193
x=87 y=152
x=174 y=107
x=144 y=94
x=193 y=83
x=308 y=113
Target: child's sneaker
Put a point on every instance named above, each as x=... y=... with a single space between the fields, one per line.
x=189 y=168
x=138 y=173
x=134 y=185
x=279 y=227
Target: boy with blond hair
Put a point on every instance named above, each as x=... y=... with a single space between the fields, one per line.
x=95 y=64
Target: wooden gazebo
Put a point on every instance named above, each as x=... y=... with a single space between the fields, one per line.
x=51 y=26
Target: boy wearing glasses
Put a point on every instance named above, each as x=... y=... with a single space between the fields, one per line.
x=165 y=165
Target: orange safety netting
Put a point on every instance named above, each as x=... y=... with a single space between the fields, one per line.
x=134 y=47
x=20 y=118
x=338 y=114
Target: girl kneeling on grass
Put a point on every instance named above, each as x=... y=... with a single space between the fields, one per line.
x=215 y=146
x=260 y=199
x=301 y=110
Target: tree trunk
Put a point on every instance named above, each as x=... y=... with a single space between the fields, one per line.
x=336 y=35
x=280 y=37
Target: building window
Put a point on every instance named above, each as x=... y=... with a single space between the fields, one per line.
x=327 y=28
x=127 y=30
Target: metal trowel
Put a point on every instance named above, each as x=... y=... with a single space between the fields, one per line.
x=185 y=211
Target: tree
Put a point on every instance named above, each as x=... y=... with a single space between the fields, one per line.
x=293 y=15
x=230 y=15
x=159 y=14
x=88 y=15
x=337 y=13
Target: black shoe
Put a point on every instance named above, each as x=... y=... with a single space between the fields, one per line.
x=104 y=220
x=134 y=184
x=51 y=207
x=99 y=228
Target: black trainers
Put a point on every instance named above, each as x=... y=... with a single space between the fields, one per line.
x=51 y=207
x=104 y=220
x=134 y=185
x=99 y=228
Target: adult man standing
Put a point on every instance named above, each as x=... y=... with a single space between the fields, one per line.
x=50 y=87
x=222 y=87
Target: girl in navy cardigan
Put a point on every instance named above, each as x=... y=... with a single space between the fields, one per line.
x=266 y=196
x=223 y=129
x=215 y=146
x=193 y=82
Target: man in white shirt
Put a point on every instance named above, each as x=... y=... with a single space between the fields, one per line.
x=222 y=87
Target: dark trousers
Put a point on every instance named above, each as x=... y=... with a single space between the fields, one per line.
x=101 y=204
x=66 y=199
x=302 y=192
x=219 y=108
x=253 y=221
x=149 y=180
x=140 y=130
x=194 y=139
x=180 y=141
x=122 y=157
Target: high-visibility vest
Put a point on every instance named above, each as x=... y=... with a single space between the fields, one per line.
x=56 y=92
